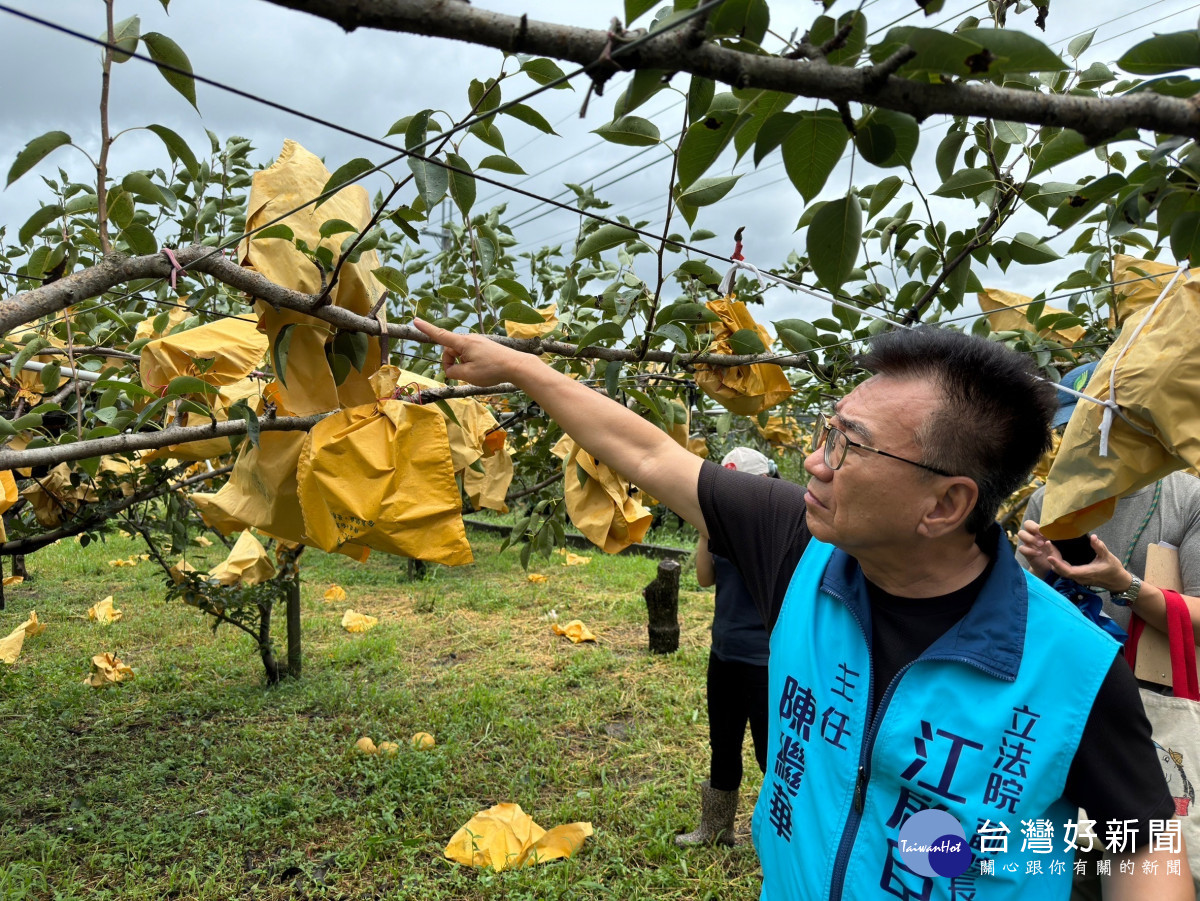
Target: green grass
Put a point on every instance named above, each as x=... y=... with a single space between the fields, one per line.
x=194 y=780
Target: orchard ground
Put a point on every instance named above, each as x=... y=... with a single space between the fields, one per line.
x=194 y=780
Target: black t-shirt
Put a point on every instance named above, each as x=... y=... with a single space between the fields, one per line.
x=761 y=526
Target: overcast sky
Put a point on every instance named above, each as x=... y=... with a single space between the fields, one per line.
x=367 y=80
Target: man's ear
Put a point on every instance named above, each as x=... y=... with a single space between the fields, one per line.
x=955 y=499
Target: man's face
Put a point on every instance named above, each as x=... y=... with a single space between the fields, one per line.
x=873 y=501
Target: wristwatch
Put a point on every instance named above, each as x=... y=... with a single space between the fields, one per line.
x=1129 y=595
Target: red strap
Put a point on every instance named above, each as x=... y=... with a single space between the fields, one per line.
x=1183 y=647
x=1181 y=640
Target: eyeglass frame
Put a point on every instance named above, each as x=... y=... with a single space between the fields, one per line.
x=821 y=439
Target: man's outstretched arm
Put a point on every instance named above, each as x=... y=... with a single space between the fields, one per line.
x=642 y=453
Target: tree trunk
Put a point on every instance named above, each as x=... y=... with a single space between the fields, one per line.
x=662 y=605
x=264 y=644
x=293 y=627
x=18 y=567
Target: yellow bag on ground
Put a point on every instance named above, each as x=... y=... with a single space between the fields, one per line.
x=380 y=475
x=531 y=330
x=1140 y=292
x=574 y=630
x=247 y=563
x=353 y=621
x=745 y=390
x=10 y=646
x=1158 y=388
x=290 y=182
x=104 y=612
x=506 y=836
x=600 y=505
x=220 y=353
x=999 y=305
x=107 y=669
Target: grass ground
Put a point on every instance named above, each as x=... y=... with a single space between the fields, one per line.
x=194 y=780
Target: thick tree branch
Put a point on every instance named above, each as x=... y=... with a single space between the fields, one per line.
x=116 y=269
x=1096 y=118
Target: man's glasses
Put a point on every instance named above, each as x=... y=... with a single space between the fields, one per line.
x=836 y=444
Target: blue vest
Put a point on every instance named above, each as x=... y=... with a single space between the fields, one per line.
x=984 y=725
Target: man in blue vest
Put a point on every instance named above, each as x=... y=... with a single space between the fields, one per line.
x=937 y=717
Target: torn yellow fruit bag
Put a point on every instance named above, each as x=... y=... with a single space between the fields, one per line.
x=1133 y=291
x=574 y=630
x=262 y=490
x=10 y=646
x=335 y=594
x=287 y=186
x=247 y=563
x=488 y=489
x=9 y=495
x=1158 y=389
x=220 y=353
x=380 y=476
x=745 y=390
x=600 y=502
x=534 y=329
x=505 y=836
x=1006 y=312
x=107 y=669
x=471 y=437
x=104 y=612
x=352 y=621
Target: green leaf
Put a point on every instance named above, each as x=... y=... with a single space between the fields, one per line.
x=773 y=132
x=635 y=8
x=35 y=151
x=487 y=132
x=177 y=147
x=125 y=35
x=632 y=131
x=140 y=239
x=543 y=71
x=1062 y=147
x=529 y=116
x=812 y=149
x=889 y=138
x=1029 y=250
x=513 y=288
x=42 y=217
x=279 y=230
x=612 y=377
x=605 y=331
x=483 y=97
x=703 y=143
x=947 y=153
x=1163 y=53
x=27 y=353
x=392 y=279
x=462 y=183
x=1080 y=43
x=966 y=183
x=707 y=191
x=189 y=384
x=755 y=115
x=1010 y=51
x=824 y=29
x=833 y=241
x=1185 y=237
x=746 y=341
x=882 y=194
x=500 y=164
x=432 y=181
x=353 y=346
x=242 y=410
x=604 y=238
x=166 y=52
x=748 y=19
x=346 y=174
x=448 y=411
x=50 y=377
x=279 y=353
x=521 y=312
x=415 y=129
x=332 y=227
x=699 y=97
x=936 y=51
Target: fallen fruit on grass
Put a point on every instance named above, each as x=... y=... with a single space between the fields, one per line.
x=422 y=741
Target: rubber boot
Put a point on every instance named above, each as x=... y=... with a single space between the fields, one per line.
x=717 y=811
